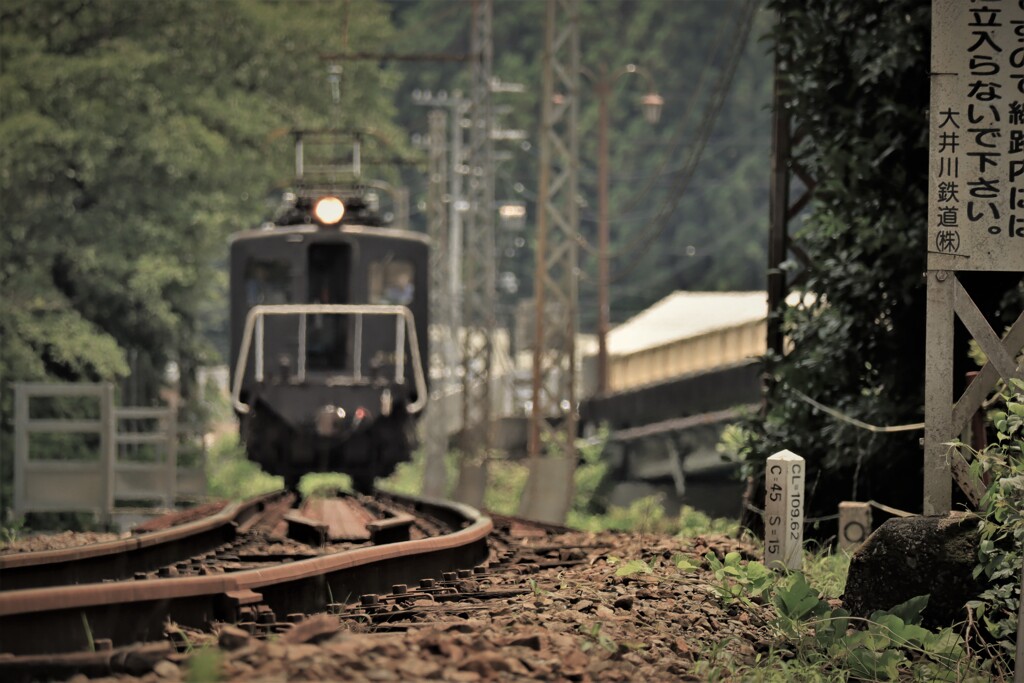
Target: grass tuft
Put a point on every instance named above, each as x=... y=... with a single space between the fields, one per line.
x=230 y=475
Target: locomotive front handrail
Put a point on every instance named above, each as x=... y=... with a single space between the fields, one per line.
x=254 y=325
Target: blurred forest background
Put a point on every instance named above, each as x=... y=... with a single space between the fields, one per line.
x=138 y=136
x=689 y=195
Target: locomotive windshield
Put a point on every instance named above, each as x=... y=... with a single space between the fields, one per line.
x=267 y=282
x=391 y=282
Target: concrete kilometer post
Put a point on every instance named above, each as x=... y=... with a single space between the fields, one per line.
x=784 y=511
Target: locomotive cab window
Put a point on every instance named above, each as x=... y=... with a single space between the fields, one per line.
x=391 y=282
x=267 y=282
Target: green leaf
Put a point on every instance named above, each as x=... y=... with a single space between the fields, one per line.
x=686 y=564
x=883 y=665
x=945 y=644
x=910 y=611
x=713 y=562
x=634 y=567
x=797 y=599
x=831 y=630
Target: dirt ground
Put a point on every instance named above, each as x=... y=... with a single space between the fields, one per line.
x=57 y=541
x=578 y=623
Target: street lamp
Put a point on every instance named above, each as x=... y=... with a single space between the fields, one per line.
x=651 y=103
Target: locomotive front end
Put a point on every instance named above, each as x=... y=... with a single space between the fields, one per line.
x=328 y=340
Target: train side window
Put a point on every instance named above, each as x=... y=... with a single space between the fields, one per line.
x=391 y=282
x=267 y=282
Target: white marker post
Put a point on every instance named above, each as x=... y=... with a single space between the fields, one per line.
x=784 y=511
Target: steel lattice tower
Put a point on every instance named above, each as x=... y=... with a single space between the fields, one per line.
x=554 y=358
x=442 y=355
x=479 y=294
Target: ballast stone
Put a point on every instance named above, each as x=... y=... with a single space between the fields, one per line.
x=911 y=556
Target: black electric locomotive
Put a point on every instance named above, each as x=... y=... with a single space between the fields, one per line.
x=329 y=335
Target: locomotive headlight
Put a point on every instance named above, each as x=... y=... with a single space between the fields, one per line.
x=328 y=210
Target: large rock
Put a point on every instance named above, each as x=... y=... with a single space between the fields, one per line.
x=911 y=556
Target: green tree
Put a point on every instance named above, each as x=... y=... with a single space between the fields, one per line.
x=855 y=75
x=136 y=137
x=862 y=92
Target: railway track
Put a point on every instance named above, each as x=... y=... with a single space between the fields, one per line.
x=547 y=603
x=261 y=565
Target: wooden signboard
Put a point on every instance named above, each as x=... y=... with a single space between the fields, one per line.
x=975 y=213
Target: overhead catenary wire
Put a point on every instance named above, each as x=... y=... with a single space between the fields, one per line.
x=677 y=139
x=674 y=144
x=646 y=239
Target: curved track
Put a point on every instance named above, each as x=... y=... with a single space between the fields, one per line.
x=64 y=618
x=124 y=558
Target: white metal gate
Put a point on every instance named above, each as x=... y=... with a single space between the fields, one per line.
x=94 y=484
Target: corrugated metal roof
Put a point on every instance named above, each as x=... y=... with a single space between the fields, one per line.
x=682 y=315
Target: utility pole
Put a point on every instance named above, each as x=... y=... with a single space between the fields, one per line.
x=479 y=293
x=442 y=356
x=783 y=207
x=603 y=82
x=458 y=107
x=553 y=418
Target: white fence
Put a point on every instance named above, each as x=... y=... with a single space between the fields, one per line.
x=96 y=484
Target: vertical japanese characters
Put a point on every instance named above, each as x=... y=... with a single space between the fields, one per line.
x=977 y=137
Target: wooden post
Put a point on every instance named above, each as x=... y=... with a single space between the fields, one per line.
x=854 y=524
x=1018 y=666
x=472 y=484
x=21 y=447
x=108 y=451
x=784 y=511
x=172 y=454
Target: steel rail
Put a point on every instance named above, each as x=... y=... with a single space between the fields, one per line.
x=68 y=618
x=121 y=559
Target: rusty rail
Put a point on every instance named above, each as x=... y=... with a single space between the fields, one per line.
x=121 y=559
x=126 y=612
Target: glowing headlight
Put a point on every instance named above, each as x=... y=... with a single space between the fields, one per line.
x=328 y=210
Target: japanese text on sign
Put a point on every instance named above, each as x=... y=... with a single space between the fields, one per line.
x=976 y=193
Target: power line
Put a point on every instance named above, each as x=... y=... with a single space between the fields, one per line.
x=677 y=139
x=738 y=47
x=703 y=133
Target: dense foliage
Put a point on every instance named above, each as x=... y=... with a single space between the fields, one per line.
x=136 y=137
x=855 y=75
x=1002 y=531
x=861 y=94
